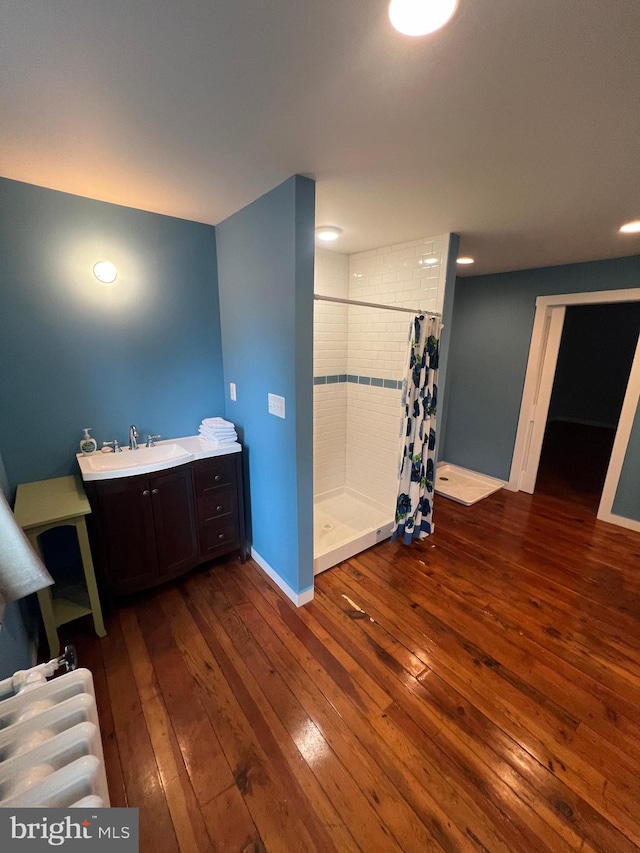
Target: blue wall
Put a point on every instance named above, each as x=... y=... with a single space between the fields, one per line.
x=77 y=353
x=16 y=644
x=265 y=268
x=491 y=333
x=4 y=482
x=627 y=499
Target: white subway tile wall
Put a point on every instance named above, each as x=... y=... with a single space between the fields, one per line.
x=330 y=319
x=330 y=359
x=373 y=441
x=369 y=344
x=329 y=437
x=411 y=275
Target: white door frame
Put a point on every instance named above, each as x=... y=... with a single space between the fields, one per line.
x=536 y=395
x=541 y=370
x=620 y=444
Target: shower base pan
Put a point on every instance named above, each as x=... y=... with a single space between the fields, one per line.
x=346 y=523
x=463 y=486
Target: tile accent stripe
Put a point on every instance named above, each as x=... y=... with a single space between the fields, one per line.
x=358 y=380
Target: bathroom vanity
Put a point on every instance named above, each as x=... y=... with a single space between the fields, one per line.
x=158 y=514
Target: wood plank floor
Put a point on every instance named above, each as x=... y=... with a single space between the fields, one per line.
x=476 y=692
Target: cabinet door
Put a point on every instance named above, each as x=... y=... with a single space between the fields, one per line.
x=127 y=533
x=174 y=517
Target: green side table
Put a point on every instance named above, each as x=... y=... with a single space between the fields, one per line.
x=54 y=503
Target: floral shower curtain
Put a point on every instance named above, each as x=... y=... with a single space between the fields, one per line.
x=414 y=507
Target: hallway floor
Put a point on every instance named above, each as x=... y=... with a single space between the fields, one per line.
x=476 y=692
x=574 y=462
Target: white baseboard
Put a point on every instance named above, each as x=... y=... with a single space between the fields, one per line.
x=298 y=598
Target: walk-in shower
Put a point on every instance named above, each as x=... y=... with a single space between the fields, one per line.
x=359 y=354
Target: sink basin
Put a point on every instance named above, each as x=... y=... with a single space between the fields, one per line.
x=128 y=463
x=146 y=460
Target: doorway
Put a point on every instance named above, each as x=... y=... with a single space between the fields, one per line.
x=592 y=372
x=539 y=381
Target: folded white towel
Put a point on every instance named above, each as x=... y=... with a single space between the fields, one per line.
x=217 y=422
x=218 y=435
x=214 y=438
x=219 y=440
x=218 y=429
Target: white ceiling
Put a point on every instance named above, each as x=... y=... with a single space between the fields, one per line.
x=516 y=126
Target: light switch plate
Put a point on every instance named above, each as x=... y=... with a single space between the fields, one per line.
x=232 y=390
x=276 y=405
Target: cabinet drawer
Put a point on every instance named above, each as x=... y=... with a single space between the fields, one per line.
x=219 y=535
x=215 y=503
x=214 y=474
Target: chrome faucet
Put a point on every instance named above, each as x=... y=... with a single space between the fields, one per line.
x=133 y=437
x=113 y=444
x=151 y=440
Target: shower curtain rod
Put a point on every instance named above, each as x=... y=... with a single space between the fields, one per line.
x=374 y=305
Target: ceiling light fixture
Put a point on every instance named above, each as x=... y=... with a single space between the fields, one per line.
x=328 y=233
x=420 y=17
x=466 y=261
x=105 y=272
x=631 y=227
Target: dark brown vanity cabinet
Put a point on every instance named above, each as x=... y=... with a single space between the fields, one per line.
x=149 y=529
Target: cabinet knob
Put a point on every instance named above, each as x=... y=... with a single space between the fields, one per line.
x=221 y=536
x=217 y=477
x=154 y=491
x=146 y=493
x=219 y=508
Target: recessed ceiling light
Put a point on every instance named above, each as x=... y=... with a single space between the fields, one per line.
x=328 y=233
x=631 y=227
x=105 y=272
x=466 y=260
x=420 y=17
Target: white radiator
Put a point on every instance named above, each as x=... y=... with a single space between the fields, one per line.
x=50 y=747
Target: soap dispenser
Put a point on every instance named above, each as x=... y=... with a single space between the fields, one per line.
x=88 y=445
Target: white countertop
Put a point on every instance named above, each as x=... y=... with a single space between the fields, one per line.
x=146 y=461
x=200 y=448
